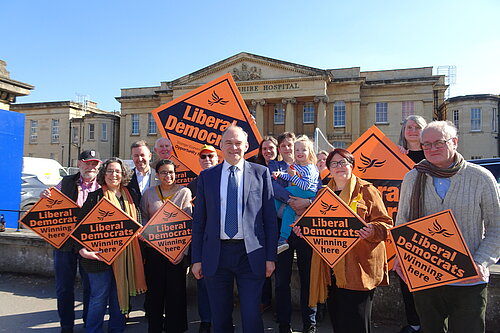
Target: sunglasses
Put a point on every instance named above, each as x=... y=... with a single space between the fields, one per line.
x=203 y=156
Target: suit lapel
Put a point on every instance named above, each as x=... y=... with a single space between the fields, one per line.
x=216 y=186
x=247 y=182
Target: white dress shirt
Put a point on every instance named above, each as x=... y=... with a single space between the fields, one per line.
x=143 y=181
x=223 y=198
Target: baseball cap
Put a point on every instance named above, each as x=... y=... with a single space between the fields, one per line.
x=207 y=147
x=89 y=155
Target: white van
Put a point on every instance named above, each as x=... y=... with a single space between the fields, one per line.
x=47 y=170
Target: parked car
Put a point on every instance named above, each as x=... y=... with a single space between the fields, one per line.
x=31 y=187
x=492 y=164
x=48 y=171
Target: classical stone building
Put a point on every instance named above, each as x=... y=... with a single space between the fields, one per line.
x=284 y=96
x=10 y=89
x=477 y=120
x=61 y=130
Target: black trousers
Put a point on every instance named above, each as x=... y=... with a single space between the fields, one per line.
x=411 y=313
x=166 y=293
x=350 y=310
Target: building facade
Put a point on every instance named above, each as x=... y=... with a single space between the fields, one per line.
x=477 y=120
x=11 y=89
x=283 y=96
x=61 y=130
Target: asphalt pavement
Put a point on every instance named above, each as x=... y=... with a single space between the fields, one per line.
x=28 y=304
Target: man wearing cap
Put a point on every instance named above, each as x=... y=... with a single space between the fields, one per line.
x=144 y=176
x=163 y=148
x=207 y=159
x=76 y=187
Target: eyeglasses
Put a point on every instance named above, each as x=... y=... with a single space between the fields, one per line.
x=436 y=144
x=110 y=172
x=203 y=156
x=164 y=173
x=342 y=163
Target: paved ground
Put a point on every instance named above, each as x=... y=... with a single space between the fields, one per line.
x=28 y=304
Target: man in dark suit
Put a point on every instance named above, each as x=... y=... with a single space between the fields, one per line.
x=235 y=233
x=144 y=176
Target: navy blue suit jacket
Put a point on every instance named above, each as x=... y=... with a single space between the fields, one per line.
x=259 y=219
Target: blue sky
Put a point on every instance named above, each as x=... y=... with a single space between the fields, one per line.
x=95 y=48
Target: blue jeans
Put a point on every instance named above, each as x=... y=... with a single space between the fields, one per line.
x=283 y=276
x=65 y=264
x=203 y=302
x=103 y=292
x=289 y=214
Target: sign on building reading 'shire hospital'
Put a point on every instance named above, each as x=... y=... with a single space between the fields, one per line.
x=379 y=161
x=330 y=226
x=432 y=252
x=106 y=230
x=168 y=231
x=201 y=116
x=53 y=218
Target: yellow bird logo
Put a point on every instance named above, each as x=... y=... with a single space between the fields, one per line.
x=217 y=100
x=369 y=163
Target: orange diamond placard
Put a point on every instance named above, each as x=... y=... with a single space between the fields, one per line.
x=379 y=161
x=107 y=230
x=168 y=231
x=183 y=174
x=201 y=116
x=432 y=252
x=330 y=226
x=53 y=218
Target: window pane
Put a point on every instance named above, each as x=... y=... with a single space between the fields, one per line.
x=339 y=114
x=135 y=124
x=91 y=132
x=55 y=131
x=494 y=120
x=340 y=144
x=407 y=109
x=33 y=131
x=151 y=124
x=252 y=110
x=279 y=114
x=104 y=132
x=381 y=113
x=456 y=119
x=74 y=134
x=475 y=119
x=308 y=115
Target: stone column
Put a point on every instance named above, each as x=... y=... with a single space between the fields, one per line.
x=289 y=113
x=321 y=118
x=259 y=113
x=355 y=120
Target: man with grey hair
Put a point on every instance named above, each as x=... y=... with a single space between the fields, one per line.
x=235 y=233
x=163 y=148
x=444 y=180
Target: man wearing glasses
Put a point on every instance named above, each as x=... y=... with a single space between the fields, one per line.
x=207 y=159
x=444 y=180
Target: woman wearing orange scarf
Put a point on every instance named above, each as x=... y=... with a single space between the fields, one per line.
x=349 y=288
x=113 y=285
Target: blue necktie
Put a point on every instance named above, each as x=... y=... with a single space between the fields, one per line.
x=231 y=224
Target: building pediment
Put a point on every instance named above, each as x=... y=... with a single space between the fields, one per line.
x=248 y=68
